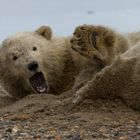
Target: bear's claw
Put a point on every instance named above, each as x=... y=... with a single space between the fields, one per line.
x=75 y=100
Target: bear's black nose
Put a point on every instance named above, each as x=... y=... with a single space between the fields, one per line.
x=32 y=66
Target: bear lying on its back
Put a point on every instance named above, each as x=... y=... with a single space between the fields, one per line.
x=121 y=78
x=35 y=62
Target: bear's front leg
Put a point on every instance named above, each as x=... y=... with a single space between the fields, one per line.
x=97 y=87
x=80 y=42
x=87 y=91
x=78 y=97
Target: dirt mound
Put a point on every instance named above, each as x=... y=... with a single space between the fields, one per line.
x=48 y=117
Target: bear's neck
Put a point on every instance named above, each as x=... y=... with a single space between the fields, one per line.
x=67 y=65
x=59 y=65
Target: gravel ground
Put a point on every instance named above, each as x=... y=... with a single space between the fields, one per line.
x=46 y=117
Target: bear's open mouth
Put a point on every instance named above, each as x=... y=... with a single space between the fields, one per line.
x=38 y=82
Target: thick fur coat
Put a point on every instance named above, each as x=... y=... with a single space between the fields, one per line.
x=24 y=54
x=120 y=79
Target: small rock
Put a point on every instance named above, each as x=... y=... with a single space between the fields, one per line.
x=103 y=129
x=66 y=134
x=1 y=136
x=21 y=117
x=76 y=137
x=42 y=130
x=58 y=138
x=132 y=122
x=15 y=129
x=24 y=134
x=123 y=138
x=106 y=135
x=9 y=130
x=48 y=136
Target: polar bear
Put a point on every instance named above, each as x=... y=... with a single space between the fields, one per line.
x=37 y=62
x=120 y=78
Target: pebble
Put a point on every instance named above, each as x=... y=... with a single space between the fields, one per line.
x=123 y=138
x=41 y=130
x=76 y=137
x=1 y=136
x=24 y=134
x=67 y=134
x=103 y=129
x=9 y=130
x=15 y=129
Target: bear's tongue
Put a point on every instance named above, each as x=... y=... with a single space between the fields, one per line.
x=38 y=82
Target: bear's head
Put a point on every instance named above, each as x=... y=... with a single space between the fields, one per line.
x=21 y=59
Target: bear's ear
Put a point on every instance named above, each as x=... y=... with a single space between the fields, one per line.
x=44 y=31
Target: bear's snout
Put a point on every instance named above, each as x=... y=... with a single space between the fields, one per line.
x=32 y=66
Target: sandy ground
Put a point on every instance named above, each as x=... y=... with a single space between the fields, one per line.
x=47 y=117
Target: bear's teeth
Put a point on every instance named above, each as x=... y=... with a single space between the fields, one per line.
x=38 y=82
x=41 y=89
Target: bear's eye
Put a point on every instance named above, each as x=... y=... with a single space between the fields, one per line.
x=15 y=58
x=34 y=48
